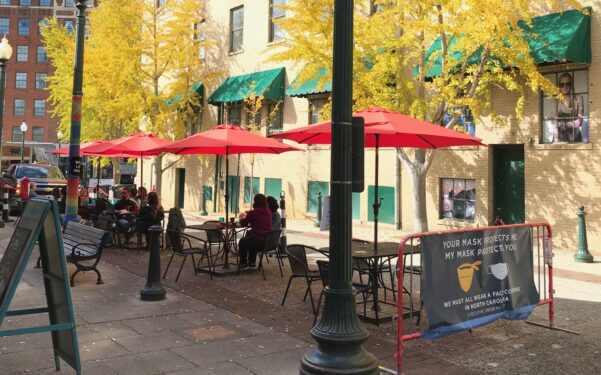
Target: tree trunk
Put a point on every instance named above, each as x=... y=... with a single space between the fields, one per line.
x=158 y=172
x=116 y=171
x=418 y=169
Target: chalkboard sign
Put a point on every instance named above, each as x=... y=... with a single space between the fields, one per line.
x=13 y=257
x=40 y=221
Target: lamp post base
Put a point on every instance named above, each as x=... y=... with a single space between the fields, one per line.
x=583 y=257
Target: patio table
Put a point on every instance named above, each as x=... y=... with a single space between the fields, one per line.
x=375 y=258
x=231 y=230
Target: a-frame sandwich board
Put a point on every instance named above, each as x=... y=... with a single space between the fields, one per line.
x=40 y=222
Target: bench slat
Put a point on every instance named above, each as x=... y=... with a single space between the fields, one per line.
x=84 y=230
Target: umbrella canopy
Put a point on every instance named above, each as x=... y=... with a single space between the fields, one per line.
x=226 y=140
x=386 y=128
x=389 y=129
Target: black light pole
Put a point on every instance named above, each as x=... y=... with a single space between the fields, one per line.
x=23 y=128
x=74 y=166
x=339 y=334
x=5 y=53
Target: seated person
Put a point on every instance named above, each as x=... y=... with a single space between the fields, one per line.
x=60 y=200
x=259 y=220
x=151 y=214
x=143 y=196
x=124 y=222
x=276 y=219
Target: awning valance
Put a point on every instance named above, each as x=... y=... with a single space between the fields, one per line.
x=311 y=86
x=553 y=38
x=268 y=83
x=197 y=88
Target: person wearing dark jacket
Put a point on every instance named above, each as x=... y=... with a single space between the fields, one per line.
x=259 y=221
x=151 y=214
x=276 y=219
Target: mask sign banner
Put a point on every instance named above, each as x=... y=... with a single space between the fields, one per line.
x=473 y=278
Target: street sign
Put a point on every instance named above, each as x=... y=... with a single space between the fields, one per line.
x=40 y=221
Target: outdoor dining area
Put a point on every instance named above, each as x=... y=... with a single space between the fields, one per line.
x=254 y=241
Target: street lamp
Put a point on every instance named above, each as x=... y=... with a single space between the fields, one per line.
x=5 y=53
x=23 y=130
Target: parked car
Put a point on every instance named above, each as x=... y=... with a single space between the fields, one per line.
x=46 y=177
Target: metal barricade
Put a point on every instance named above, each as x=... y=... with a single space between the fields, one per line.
x=409 y=264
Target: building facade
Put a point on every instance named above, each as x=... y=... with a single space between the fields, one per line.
x=521 y=172
x=26 y=100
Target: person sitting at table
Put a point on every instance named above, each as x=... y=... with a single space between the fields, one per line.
x=125 y=221
x=143 y=196
x=151 y=214
x=276 y=219
x=57 y=194
x=259 y=220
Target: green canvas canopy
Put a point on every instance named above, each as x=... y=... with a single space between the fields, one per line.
x=311 y=86
x=268 y=83
x=553 y=38
x=197 y=88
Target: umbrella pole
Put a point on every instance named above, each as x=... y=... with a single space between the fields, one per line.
x=98 y=179
x=376 y=198
x=142 y=170
x=227 y=197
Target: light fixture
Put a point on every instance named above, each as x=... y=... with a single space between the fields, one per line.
x=6 y=50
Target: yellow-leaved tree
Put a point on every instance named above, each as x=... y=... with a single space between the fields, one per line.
x=481 y=45
x=138 y=55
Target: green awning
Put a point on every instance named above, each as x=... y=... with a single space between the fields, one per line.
x=311 y=86
x=553 y=38
x=268 y=83
x=197 y=88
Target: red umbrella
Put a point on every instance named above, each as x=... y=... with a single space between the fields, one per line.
x=226 y=140
x=138 y=145
x=385 y=128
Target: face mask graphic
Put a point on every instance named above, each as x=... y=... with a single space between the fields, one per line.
x=465 y=273
x=498 y=270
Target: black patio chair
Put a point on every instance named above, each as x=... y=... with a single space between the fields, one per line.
x=271 y=244
x=324 y=272
x=178 y=241
x=297 y=256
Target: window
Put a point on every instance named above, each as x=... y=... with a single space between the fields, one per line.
x=17 y=134
x=45 y=3
x=68 y=25
x=19 y=109
x=39 y=107
x=160 y=3
x=69 y=3
x=21 y=80
x=236 y=28
x=200 y=34
x=567 y=120
x=22 y=53
x=23 y=26
x=276 y=12
x=4 y=2
x=465 y=122
x=315 y=108
x=234 y=114
x=41 y=55
x=25 y=3
x=41 y=22
x=276 y=118
x=457 y=199
x=37 y=134
x=4 y=26
x=40 y=81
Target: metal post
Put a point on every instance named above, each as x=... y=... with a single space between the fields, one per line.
x=319 y=198
x=74 y=167
x=582 y=254
x=22 y=144
x=203 y=208
x=2 y=189
x=2 y=84
x=5 y=206
x=153 y=290
x=339 y=334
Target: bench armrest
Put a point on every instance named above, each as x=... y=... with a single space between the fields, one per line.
x=74 y=251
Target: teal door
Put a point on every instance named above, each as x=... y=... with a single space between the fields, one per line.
x=508 y=186
x=313 y=189
x=356 y=206
x=273 y=187
x=234 y=193
x=386 y=213
x=248 y=194
x=181 y=185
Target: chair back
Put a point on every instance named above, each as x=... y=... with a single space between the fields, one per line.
x=214 y=236
x=297 y=256
x=324 y=271
x=176 y=220
x=271 y=240
x=175 y=240
x=106 y=221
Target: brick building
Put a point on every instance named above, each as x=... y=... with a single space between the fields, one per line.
x=26 y=71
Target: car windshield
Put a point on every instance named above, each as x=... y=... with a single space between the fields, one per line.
x=39 y=171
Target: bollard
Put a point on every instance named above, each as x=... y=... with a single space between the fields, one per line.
x=318 y=222
x=283 y=244
x=203 y=210
x=153 y=290
x=5 y=205
x=2 y=189
x=582 y=254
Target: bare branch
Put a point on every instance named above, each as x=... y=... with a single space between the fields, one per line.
x=171 y=164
